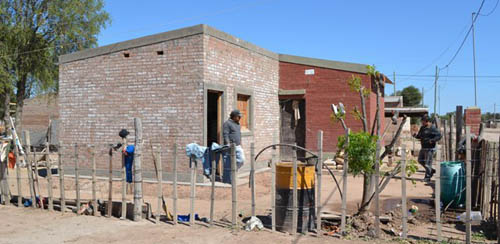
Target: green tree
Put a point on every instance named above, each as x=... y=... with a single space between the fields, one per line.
x=411 y=96
x=33 y=34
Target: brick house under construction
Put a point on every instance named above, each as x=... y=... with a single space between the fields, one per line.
x=183 y=85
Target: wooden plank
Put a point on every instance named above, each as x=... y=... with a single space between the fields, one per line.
x=345 y=172
x=294 y=193
x=49 y=174
x=451 y=143
x=468 y=194
x=138 y=200
x=77 y=179
x=61 y=179
x=404 y=208
x=273 y=183
x=252 y=176
x=377 y=191
x=27 y=142
x=4 y=183
x=109 y=205
x=319 y=172
x=94 y=180
x=159 y=173
x=193 y=166
x=175 y=183
x=444 y=142
x=212 y=190
x=234 y=198
x=124 y=181
x=437 y=193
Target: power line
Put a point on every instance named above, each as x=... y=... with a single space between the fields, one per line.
x=493 y=10
x=466 y=36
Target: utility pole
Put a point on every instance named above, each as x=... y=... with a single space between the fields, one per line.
x=435 y=90
x=394 y=80
x=474 y=60
x=494 y=112
x=439 y=99
x=422 y=97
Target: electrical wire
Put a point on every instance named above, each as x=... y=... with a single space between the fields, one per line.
x=493 y=10
x=466 y=36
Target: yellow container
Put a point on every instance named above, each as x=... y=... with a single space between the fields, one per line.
x=305 y=176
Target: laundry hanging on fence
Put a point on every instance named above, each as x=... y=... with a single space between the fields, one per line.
x=129 y=161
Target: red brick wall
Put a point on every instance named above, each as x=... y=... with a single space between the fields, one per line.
x=473 y=119
x=235 y=68
x=325 y=87
x=101 y=95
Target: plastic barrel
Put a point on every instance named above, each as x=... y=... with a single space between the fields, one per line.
x=452 y=183
x=305 y=197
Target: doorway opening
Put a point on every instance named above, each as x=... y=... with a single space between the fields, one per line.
x=293 y=127
x=214 y=117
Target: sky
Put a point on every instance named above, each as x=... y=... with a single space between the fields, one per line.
x=408 y=38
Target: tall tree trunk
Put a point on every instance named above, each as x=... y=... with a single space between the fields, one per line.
x=363 y=109
x=6 y=107
x=20 y=96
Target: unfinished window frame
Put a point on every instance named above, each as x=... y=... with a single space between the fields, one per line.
x=217 y=88
x=251 y=115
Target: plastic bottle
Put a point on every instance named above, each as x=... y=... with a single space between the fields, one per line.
x=474 y=216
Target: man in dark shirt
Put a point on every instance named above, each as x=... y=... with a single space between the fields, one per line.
x=428 y=136
x=231 y=128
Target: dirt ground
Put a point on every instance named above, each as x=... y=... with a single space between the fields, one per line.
x=27 y=225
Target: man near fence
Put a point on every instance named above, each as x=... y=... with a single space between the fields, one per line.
x=428 y=136
x=232 y=134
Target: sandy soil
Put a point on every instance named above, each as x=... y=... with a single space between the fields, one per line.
x=26 y=225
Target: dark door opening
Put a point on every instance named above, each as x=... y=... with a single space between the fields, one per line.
x=293 y=127
x=214 y=117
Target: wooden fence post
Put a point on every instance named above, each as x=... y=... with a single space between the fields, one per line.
x=138 y=170
x=160 y=188
x=319 y=172
x=124 y=181
x=109 y=206
x=94 y=180
x=36 y=180
x=233 y=187
x=4 y=183
x=212 y=189
x=294 y=193
x=377 y=190
x=175 y=183
x=451 y=144
x=468 y=194
x=404 y=208
x=459 y=124
x=61 y=179
x=252 y=176
x=18 y=172
x=345 y=173
x=193 y=164
x=437 y=193
x=77 y=179
x=273 y=183
x=27 y=142
x=498 y=192
x=48 y=164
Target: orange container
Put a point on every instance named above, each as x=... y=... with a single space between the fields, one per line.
x=12 y=160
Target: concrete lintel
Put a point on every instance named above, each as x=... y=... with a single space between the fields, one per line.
x=291 y=92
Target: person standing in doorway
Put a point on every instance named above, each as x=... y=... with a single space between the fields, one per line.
x=428 y=136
